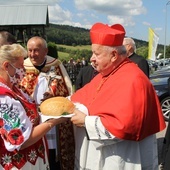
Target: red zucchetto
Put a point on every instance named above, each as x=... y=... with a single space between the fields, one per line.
x=107 y=35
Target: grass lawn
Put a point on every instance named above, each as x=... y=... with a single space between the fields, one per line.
x=78 y=47
x=64 y=56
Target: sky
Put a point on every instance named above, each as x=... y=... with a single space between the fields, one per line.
x=135 y=15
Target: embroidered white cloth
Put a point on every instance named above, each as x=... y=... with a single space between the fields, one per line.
x=97 y=149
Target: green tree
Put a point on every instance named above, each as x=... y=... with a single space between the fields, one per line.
x=52 y=50
x=143 y=51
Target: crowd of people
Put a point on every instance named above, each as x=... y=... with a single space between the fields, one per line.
x=116 y=105
x=73 y=67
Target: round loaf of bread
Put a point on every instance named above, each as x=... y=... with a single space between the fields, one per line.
x=57 y=106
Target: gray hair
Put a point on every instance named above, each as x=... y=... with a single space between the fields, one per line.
x=121 y=50
x=41 y=41
x=131 y=42
x=12 y=53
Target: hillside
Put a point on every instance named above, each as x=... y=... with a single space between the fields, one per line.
x=76 y=36
x=68 y=35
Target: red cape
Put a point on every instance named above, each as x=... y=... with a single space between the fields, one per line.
x=126 y=103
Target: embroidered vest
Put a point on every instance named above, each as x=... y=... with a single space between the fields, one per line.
x=19 y=158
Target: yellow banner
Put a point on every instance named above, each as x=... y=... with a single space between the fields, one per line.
x=153 y=42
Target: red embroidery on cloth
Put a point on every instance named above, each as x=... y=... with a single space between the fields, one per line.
x=29 y=82
x=1 y=122
x=30 y=154
x=66 y=135
x=15 y=137
x=4 y=134
x=19 y=160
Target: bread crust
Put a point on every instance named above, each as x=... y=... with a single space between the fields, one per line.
x=57 y=106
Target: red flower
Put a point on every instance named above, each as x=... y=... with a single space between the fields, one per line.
x=15 y=137
x=3 y=132
x=1 y=122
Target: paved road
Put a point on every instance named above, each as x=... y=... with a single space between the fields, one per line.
x=160 y=137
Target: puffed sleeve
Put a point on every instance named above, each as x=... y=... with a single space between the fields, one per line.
x=15 y=126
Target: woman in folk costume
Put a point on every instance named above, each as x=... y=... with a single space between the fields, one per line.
x=22 y=142
x=41 y=70
x=115 y=129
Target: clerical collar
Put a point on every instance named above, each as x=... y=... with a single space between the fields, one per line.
x=131 y=54
x=41 y=66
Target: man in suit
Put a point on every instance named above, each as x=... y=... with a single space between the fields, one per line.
x=142 y=63
x=85 y=75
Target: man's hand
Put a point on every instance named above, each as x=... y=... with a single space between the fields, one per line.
x=79 y=118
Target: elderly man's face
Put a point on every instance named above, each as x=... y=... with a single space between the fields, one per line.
x=102 y=59
x=36 y=52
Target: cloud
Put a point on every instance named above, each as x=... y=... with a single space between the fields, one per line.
x=146 y=23
x=117 y=11
x=149 y=25
x=158 y=29
x=110 y=7
x=59 y=15
x=126 y=21
x=84 y=13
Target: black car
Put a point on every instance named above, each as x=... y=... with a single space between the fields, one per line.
x=159 y=80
